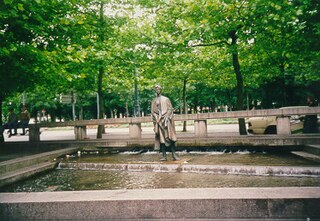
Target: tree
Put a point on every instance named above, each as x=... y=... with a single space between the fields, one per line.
x=218 y=49
x=187 y=23
x=285 y=41
x=32 y=32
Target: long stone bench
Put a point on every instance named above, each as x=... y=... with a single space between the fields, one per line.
x=200 y=121
x=281 y=203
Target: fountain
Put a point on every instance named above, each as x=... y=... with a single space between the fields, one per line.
x=136 y=185
x=97 y=170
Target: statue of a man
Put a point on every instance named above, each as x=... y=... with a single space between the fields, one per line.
x=162 y=117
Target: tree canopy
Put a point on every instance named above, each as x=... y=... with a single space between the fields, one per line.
x=206 y=54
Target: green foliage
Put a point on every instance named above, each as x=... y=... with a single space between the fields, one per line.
x=52 y=47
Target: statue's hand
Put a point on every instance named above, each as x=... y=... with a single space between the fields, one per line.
x=156 y=129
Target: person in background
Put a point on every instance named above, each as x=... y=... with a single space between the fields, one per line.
x=24 y=119
x=12 y=122
x=310 y=124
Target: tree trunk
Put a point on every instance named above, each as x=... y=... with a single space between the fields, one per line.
x=127 y=109
x=236 y=66
x=283 y=84
x=100 y=127
x=81 y=113
x=1 y=123
x=136 y=111
x=1 y=99
x=185 y=110
x=100 y=74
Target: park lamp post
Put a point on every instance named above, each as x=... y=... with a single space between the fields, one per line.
x=69 y=99
x=136 y=94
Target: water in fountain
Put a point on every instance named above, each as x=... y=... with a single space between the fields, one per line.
x=131 y=170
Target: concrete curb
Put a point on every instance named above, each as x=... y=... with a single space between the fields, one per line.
x=313 y=149
x=202 y=169
x=207 y=203
x=22 y=162
x=18 y=169
x=25 y=173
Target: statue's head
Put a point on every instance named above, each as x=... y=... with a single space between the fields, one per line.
x=158 y=89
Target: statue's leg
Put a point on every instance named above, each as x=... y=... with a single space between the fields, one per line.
x=174 y=155
x=164 y=154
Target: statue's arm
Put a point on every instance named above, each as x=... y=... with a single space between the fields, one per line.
x=170 y=111
x=154 y=113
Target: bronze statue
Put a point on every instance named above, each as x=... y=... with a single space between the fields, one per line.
x=162 y=117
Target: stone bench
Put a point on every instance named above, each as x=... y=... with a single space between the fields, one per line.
x=200 y=121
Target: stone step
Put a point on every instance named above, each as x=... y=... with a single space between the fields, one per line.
x=313 y=149
x=307 y=155
x=22 y=162
x=263 y=203
x=25 y=172
x=201 y=169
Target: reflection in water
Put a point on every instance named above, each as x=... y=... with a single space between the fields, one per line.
x=68 y=180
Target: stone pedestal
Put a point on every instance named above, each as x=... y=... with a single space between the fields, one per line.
x=200 y=128
x=135 y=130
x=283 y=125
x=34 y=132
x=80 y=132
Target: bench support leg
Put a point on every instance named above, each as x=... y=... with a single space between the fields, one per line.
x=200 y=128
x=80 y=132
x=34 y=132
x=283 y=125
x=135 y=130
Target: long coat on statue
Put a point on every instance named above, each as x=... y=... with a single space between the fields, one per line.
x=162 y=117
